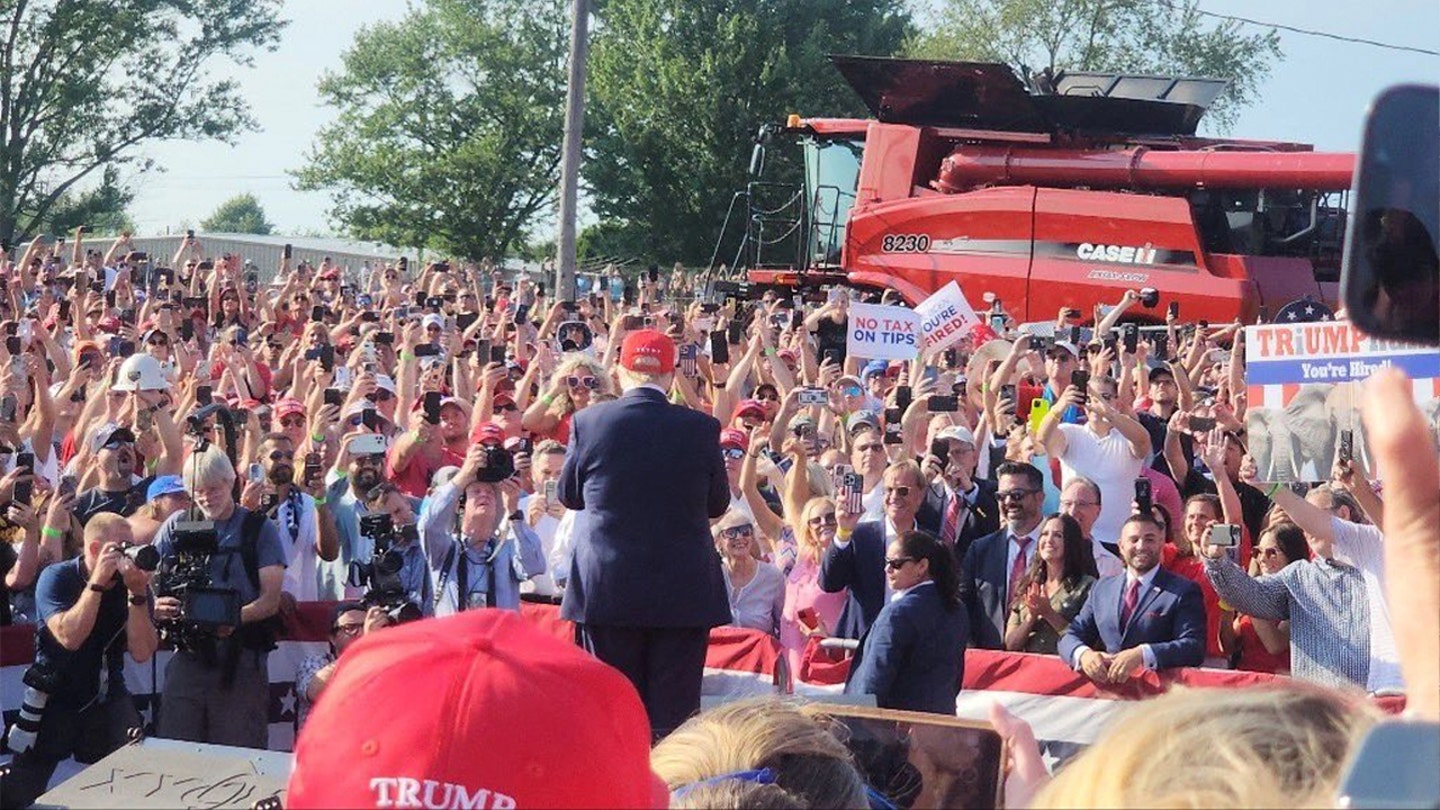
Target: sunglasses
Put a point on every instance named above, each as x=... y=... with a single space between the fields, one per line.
x=115 y=444
x=732 y=453
x=901 y=491
x=589 y=382
x=896 y=563
x=827 y=519
x=381 y=395
x=738 y=531
x=1014 y=494
x=293 y=421
x=374 y=458
x=851 y=391
x=281 y=455
x=158 y=341
x=507 y=408
x=350 y=629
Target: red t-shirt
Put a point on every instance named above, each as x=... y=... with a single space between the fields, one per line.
x=1253 y=655
x=1193 y=569
x=217 y=368
x=414 y=480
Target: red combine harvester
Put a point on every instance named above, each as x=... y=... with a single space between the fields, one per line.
x=1062 y=193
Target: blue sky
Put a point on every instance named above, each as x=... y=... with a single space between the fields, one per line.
x=1318 y=95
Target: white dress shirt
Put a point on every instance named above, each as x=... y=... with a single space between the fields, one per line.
x=1147 y=581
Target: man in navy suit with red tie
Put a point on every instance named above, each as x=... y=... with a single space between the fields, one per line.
x=645 y=581
x=1145 y=618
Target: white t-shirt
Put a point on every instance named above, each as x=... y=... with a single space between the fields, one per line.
x=1110 y=464
x=301 y=557
x=874 y=502
x=544 y=528
x=1362 y=545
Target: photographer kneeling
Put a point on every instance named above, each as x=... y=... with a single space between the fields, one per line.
x=216 y=594
x=92 y=610
x=482 y=561
x=348 y=623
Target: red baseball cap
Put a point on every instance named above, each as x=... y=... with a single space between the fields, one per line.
x=487 y=433
x=730 y=437
x=496 y=713
x=751 y=407
x=288 y=407
x=648 y=352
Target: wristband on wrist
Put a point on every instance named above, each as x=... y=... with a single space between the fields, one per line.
x=842 y=533
x=1274 y=488
x=96 y=588
x=407 y=355
x=51 y=532
x=547 y=399
x=318 y=438
x=321 y=501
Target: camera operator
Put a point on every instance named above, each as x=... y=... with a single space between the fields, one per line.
x=483 y=564
x=217 y=689
x=396 y=571
x=348 y=622
x=92 y=610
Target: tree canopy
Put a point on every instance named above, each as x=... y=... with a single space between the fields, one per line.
x=449 y=127
x=678 y=89
x=239 y=214
x=85 y=84
x=1163 y=37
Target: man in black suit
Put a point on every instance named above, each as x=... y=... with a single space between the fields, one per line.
x=994 y=564
x=958 y=506
x=856 y=559
x=645 y=581
x=1145 y=618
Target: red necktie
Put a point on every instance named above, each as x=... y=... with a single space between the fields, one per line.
x=1017 y=569
x=1132 y=598
x=949 y=528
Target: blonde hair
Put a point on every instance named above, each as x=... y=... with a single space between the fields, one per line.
x=1222 y=748
x=810 y=762
x=569 y=364
x=807 y=540
x=102 y=524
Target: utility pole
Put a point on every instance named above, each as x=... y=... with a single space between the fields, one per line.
x=571 y=154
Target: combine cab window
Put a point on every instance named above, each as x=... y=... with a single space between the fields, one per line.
x=832 y=170
x=1273 y=222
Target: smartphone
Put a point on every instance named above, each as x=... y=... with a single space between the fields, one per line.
x=25 y=460
x=312 y=467
x=1346 y=452
x=370 y=418
x=1143 y=499
x=719 y=348
x=631 y=323
x=427 y=350
x=65 y=309
x=851 y=500
x=1080 y=378
x=943 y=404
x=997 y=322
x=688 y=366
x=370 y=316
x=1162 y=346
x=522 y=313
x=333 y=396
x=1173 y=311
x=1202 y=424
x=1039 y=408
x=940 y=449
x=809 y=617
x=187 y=330
x=431 y=407
x=497 y=352
x=317 y=313
x=961 y=761
x=327 y=357
x=904 y=395
x=144 y=419
x=24 y=491
x=952 y=358
x=894 y=433
x=1130 y=337
x=383 y=338
x=1008 y=392
x=12 y=345
x=256 y=473
x=124 y=348
x=1224 y=534
x=204 y=395
x=550 y=491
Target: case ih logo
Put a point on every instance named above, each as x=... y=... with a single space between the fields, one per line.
x=1117 y=254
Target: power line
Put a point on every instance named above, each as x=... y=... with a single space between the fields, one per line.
x=1314 y=33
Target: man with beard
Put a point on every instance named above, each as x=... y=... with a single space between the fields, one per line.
x=306 y=527
x=1145 y=618
x=363 y=456
x=118 y=492
x=217 y=686
x=994 y=564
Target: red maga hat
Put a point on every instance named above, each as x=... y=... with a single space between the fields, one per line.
x=648 y=352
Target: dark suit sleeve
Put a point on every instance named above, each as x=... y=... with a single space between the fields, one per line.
x=969 y=596
x=570 y=489
x=1083 y=631
x=719 y=484
x=1187 y=649
x=837 y=567
x=885 y=648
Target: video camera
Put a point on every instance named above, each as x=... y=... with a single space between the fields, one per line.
x=380 y=575
x=204 y=608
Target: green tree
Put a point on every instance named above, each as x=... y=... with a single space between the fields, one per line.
x=239 y=214
x=1164 y=37
x=101 y=209
x=86 y=84
x=448 y=135
x=678 y=89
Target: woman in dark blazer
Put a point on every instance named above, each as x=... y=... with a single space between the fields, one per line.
x=913 y=655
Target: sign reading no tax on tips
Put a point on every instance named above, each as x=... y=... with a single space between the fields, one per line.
x=882 y=332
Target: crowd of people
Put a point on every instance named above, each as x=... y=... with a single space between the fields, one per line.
x=660 y=457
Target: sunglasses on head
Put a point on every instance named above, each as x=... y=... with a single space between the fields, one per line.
x=589 y=382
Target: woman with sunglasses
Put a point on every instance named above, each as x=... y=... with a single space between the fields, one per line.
x=1053 y=590
x=573 y=386
x=756 y=588
x=1260 y=645
x=913 y=655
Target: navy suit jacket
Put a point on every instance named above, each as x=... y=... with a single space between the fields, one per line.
x=1170 y=617
x=983 y=581
x=984 y=515
x=860 y=567
x=649 y=476
x=913 y=656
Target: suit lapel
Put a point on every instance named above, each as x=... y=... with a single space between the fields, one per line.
x=1147 y=596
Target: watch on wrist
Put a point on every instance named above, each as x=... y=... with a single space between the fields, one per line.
x=139 y=599
x=96 y=587
x=517 y=515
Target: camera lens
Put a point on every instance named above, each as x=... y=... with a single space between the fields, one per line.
x=388 y=563
x=146 y=558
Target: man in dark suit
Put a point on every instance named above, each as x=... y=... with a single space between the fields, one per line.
x=1146 y=618
x=856 y=559
x=994 y=564
x=645 y=582
x=958 y=508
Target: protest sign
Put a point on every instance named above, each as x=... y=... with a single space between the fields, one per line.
x=1303 y=393
x=945 y=318
x=882 y=332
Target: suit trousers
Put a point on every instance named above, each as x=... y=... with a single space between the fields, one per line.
x=666 y=665
x=196 y=705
